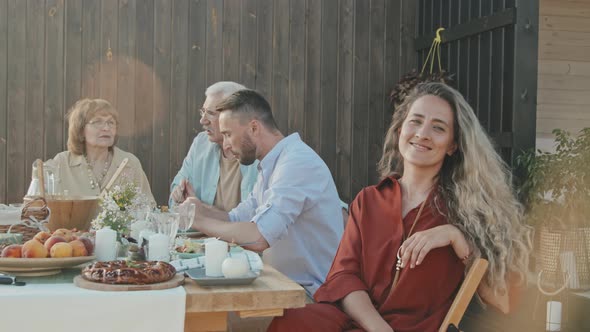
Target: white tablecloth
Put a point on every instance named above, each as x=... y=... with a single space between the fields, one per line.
x=65 y=307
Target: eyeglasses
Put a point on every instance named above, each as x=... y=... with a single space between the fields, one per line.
x=209 y=114
x=99 y=124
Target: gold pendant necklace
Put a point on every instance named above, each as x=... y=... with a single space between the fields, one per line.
x=398 y=265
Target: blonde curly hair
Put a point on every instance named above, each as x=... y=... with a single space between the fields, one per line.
x=475 y=185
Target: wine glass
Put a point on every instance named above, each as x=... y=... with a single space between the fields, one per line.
x=186 y=218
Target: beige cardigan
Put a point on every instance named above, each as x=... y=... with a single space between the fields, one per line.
x=72 y=172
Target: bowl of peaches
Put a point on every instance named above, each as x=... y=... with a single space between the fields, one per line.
x=47 y=253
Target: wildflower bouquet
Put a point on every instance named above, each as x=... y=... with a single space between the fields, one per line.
x=116 y=207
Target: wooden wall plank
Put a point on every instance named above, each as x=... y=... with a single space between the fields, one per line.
x=73 y=57
x=564 y=82
x=35 y=77
x=569 y=112
x=231 y=40
x=360 y=135
x=248 y=42
x=264 y=59
x=197 y=64
x=329 y=85
x=311 y=134
x=564 y=67
x=376 y=90
x=564 y=38
x=344 y=100
x=145 y=85
x=109 y=51
x=214 y=41
x=280 y=65
x=297 y=67
x=564 y=8
x=564 y=97
x=179 y=140
x=161 y=117
x=53 y=83
x=3 y=97
x=15 y=101
x=91 y=49
x=564 y=23
x=125 y=65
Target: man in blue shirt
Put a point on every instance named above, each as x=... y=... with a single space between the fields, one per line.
x=293 y=214
x=208 y=172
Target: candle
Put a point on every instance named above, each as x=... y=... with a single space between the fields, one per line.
x=144 y=234
x=158 y=248
x=215 y=253
x=106 y=244
x=553 y=316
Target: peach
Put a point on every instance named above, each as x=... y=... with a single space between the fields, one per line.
x=12 y=251
x=65 y=233
x=42 y=237
x=61 y=249
x=53 y=240
x=78 y=247
x=88 y=243
x=34 y=249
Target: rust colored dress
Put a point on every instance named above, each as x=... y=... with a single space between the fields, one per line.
x=366 y=261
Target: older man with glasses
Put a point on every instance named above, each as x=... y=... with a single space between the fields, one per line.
x=208 y=172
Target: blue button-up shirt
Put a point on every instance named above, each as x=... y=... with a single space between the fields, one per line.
x=201 y=168
x=296 y=208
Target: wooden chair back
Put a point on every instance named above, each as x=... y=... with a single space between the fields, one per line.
x=468 y=288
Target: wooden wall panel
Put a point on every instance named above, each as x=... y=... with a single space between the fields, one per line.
x=3 y=96
x=16 y=166
x=325 y=66
x=53 y=84
x=564 y=67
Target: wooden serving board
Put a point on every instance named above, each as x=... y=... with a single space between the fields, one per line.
x=83 y=283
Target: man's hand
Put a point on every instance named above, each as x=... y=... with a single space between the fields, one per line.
x=183 y=191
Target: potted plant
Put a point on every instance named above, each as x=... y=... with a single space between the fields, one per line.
x=556 y=193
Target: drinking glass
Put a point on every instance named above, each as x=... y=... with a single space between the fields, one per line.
x=187 y=214
x=166 y=223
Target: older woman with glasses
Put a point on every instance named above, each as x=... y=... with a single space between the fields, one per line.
x=92 y=157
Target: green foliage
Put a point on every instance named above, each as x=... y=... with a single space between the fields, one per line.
x=556 y=187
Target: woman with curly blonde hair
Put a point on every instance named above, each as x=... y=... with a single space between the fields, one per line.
x=445 y=198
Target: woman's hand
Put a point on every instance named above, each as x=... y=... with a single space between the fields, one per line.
x=417 y=246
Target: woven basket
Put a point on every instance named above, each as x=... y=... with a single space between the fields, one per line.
x=551 y=243
x=33 y=207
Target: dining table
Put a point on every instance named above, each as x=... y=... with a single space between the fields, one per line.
x=54 y=303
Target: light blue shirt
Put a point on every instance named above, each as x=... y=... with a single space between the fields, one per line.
x=201 y=168
x=296 y=208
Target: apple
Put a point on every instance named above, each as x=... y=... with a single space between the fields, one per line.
x=53 y=240
x=79 y=249
x=235 y=267
x=34 y=249
x=12 y=251
x=67 y=234
x=88 y=243
x=42 y=237
x=61 y=249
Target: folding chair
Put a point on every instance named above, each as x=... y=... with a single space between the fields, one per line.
x=463 y=297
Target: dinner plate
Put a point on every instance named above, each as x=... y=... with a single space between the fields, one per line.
x=198 y=275
x=40 y=266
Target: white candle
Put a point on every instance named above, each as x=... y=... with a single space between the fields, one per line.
x=553 y=316
x=144 y=234
x=106 y=244
x=158 y=248
x=215 y=254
